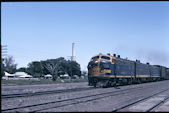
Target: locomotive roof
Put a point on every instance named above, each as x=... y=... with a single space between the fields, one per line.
x=123 y=59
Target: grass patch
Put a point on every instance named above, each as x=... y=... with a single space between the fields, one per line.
x=41 y=81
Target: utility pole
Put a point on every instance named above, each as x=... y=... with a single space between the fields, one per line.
x=3 y=53
x=4 y=50
x=72 y=58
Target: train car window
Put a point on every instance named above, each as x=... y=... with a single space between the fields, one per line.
x=105 y=57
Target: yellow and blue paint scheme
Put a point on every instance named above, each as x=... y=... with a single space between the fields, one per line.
x=105 y=66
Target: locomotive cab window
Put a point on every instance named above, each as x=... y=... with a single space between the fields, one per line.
x=92 y=64
x=105 y=57
x=95 y=58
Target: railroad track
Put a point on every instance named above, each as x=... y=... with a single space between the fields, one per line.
x=141 y=101
x=156 y=105
x=14 y=95
x=43 y=92
x=71 y=101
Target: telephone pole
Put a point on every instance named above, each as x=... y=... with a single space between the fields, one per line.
x=4 y=50
x=3 y=53
x=73 y=57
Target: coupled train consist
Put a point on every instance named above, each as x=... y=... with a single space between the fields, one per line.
x=107 y=70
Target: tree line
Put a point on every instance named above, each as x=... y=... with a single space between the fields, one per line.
x=55 y=67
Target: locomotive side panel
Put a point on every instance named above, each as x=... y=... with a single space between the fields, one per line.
x=142 y=70
x=167 y=73
x=124 y=68
x=112 y=67
x=155 y=71
x=163 y=72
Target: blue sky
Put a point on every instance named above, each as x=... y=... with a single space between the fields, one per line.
x=35 y=31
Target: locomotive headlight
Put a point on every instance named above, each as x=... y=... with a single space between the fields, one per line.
x=96 y=61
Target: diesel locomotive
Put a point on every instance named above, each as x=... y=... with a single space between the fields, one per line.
x=105 y=70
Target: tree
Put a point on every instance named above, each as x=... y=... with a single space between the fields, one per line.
x=55 y=67
x=22 y=69
x=73 y=68
x=84 y=73
x=9 y=64
x=35 y=69
x=52 y=66
x=62 y=66
x=2 y=68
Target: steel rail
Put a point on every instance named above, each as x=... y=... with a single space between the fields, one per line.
x=106 y=93
x=81 y=101
x=149 y=110
x=43 y=92
x=14 y=95
x=125 y=106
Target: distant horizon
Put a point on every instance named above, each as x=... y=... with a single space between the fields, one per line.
x=35 y=31
x=89 y=60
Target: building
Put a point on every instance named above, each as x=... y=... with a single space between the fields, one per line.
x=22 y=75
x=48 y=76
